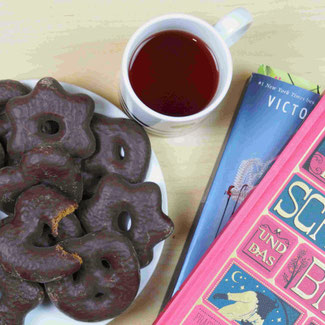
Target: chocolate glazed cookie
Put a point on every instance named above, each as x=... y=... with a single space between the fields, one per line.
x=69 y=227
x=9 y=89
x=36 y=207
x=50 y=165
x=50 y=115
x=18 y=297
x=123 y=147
x=107 y=282
x=116 y=200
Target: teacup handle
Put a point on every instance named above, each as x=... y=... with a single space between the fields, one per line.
x=234 y=25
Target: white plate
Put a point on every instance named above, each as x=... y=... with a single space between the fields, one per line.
x=49 y=314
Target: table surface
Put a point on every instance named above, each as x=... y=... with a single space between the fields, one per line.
x=82 y=42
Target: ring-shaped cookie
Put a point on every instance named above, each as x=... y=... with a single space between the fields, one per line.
x=107 y=282
x=115 y=201
x=50 y=115
x=36 y=207
x=122 y=147
x=69 y=227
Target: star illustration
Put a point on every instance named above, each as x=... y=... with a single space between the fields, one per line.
x=232 y=286
x=240 y=277
x=226 y=280
x=257 y=286
x=279 y=320
x=242 y=287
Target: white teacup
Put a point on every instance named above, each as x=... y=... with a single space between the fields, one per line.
x=218 y=38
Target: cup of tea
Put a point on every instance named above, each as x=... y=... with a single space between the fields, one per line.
x=176 y=69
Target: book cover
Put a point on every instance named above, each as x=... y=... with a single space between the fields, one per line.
x=271 y=109
x=268 y=265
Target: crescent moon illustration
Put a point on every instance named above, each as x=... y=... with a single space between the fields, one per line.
x=233 y=276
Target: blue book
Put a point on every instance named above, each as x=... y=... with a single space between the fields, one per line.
x=268 y=115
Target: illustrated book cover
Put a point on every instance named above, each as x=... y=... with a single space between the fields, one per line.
x=268 y=265
x=273 y=106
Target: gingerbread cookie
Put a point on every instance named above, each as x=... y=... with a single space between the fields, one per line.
x=69 y=227
x=36 y=207
x=10 y=89
x=47 y=164
x=18 y=297
x=115 y=200
x=50 y=115
x=107 y=282
x=123 y=147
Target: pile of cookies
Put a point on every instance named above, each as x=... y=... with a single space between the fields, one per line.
x=81 y=220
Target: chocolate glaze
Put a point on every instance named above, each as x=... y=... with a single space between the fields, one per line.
x=54 y=166
x=5 y=129
x=12 y=183
x=115 y=197
x=113 y=134
x=2 y=156
x=107 y=282
x=9 y=89
x=90 y=182
x=36 y=207
x=18 y=298
x=69 y=227
x=50 y=115
x=47 y=164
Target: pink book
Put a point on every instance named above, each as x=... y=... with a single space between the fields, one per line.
x=268 y=265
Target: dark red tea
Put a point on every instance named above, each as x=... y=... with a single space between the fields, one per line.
x=174 y=73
